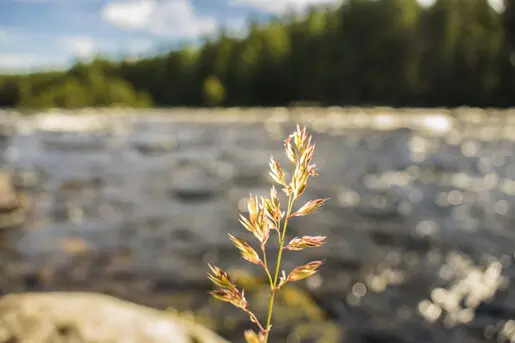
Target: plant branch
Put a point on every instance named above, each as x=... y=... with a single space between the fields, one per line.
x=255 y=320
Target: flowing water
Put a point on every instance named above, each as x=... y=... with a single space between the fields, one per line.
x=420 y=220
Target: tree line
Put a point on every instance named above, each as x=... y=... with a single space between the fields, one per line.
x=364 y=53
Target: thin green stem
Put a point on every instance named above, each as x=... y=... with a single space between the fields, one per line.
x=277 y=268
x=265 y=266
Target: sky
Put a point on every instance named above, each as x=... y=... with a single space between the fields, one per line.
x=37 y=34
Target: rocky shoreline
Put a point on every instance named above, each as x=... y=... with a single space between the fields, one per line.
x=420 y=217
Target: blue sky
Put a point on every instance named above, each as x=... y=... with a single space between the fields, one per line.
x=53 y=33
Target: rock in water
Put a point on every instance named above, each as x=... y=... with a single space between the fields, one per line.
x=7 y=194
x=13 y=206
x=71 y=317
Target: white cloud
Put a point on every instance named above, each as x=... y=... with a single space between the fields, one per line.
x=237 y=27
x=20 y=62
x=8 y=61
x=83 y=47
x=172 y=18
x=281 y=6
x=138 y=46
x=426 y=3
x=497 y=5
x=134 y=14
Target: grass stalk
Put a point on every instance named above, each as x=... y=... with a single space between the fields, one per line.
x=265 y=215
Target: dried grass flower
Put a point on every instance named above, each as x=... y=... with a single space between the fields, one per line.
x=265 y=214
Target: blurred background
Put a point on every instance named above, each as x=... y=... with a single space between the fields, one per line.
x=132 y=132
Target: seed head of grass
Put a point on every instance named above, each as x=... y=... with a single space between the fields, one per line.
x=264 y=215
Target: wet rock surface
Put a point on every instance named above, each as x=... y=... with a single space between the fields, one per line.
x=420 y=218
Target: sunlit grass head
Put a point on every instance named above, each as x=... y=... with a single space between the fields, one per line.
x=265 y=216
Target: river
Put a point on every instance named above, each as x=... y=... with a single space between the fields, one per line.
x=420 y=218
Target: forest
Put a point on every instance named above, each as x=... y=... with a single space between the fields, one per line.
x=365 y=53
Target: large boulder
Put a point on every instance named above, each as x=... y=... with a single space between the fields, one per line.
x=70 y=317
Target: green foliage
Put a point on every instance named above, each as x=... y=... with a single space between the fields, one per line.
x=213 y=91
x=367 y=52
x=81 y=86
x=9 y=91
x=464 y=51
